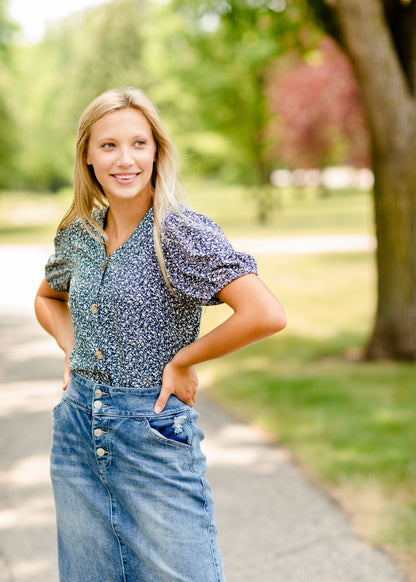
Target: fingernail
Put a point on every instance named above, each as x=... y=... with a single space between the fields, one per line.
x=158 y=409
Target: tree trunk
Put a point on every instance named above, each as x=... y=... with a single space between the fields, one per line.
x=391 y=111
x=394 y=334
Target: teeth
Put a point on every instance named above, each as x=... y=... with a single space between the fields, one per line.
x=125 y=176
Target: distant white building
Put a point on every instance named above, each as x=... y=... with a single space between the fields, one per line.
x=331 y=178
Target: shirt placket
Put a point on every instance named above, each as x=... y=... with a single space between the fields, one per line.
x=97 y=309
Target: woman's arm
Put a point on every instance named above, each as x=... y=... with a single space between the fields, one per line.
x=257 y=314
x=52 y=312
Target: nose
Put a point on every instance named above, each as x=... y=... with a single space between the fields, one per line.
x=125 y=159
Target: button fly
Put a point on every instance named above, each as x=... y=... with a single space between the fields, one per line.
x=94 y=308
x=98 y=432
x=100 y=452
x=98 y=393
x=98 y=404
x=99 y=354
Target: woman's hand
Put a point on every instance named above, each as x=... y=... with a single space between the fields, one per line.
x=179 y=380
x=67 y=371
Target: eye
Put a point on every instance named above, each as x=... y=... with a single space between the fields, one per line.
x=140 y=142
x=108 y=145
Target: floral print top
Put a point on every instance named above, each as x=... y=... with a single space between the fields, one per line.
x=127 y=323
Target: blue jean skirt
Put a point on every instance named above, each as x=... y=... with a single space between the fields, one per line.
x=132 y=500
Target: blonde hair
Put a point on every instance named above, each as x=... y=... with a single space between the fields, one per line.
x=88 y=193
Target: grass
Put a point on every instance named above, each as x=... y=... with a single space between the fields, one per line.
x=350 y=424
x=295 y=212
x=30 y=217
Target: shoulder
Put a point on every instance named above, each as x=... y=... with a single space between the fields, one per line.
x=199 y=259
x=77 y=229
x=184 y=215
x=67 y=235
x=188 y=224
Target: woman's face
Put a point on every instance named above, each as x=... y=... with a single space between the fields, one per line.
x=122 y=150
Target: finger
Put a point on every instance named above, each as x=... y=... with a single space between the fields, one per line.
x=67 y=377
x=161 y=401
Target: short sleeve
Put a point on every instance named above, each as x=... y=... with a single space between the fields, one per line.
x=199 y=259
x=59 y=266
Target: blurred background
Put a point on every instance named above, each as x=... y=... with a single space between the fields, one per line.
x=296 y=127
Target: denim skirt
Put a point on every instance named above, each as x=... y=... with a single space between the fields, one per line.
x=132 y=500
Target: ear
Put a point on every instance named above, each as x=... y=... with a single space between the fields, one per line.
x=88 y=161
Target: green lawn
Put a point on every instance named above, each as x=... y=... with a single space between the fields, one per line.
x=350 y=424
x=296 y=212
x=30 y=217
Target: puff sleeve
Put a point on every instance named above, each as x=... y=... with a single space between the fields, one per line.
x=58 y=269
x=200 y=261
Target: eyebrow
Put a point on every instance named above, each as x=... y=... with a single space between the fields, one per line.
x=135 y=137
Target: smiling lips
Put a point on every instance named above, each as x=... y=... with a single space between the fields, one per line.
x=125 y=178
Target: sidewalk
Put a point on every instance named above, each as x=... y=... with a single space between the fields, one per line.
x=274 y=525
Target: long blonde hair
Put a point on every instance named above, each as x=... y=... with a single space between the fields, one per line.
x=88 y=193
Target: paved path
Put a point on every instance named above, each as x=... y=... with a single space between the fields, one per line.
x=274 y=525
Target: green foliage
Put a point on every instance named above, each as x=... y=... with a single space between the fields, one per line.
x=77 y=59
x=7 y=30
x=7 y=143
x=113 y=53
x=206 y=64
x=235 y=44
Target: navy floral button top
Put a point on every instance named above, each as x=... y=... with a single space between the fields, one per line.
x=127 y=323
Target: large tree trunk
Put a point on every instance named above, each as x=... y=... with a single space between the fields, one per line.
x=394 y=334
x=391 y=111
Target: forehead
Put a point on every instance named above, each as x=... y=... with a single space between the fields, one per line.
x=122 y=122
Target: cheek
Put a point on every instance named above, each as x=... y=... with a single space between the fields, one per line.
x=148 y=161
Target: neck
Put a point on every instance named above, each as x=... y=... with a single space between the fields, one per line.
x=123 y=217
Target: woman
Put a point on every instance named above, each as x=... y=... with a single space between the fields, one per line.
x=122 y=297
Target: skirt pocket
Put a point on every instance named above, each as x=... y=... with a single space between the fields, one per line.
x=173 y=429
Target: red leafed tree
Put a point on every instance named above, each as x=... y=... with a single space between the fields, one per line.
x=319 y=116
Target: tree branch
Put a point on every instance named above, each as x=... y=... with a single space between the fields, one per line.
x=390 y=106
x=401 y=18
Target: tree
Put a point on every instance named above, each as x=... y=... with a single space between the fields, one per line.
x=320 y=118
x=379 y=37
x=7 y=143
x=235 y=42
x=113 y=52
x=78 y=58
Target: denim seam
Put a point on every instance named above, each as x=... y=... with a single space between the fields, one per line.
x=209 y=533
x=120 y=544
x=76 y=405
x=142 y=415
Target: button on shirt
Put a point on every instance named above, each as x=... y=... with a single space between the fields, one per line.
x=127 y=323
